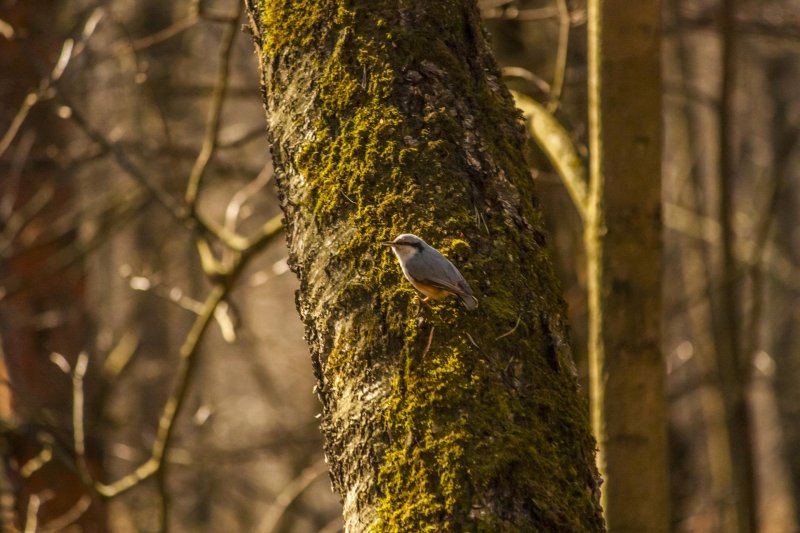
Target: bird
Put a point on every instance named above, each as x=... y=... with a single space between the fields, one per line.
x=429 y=271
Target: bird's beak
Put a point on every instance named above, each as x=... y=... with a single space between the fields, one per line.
x=387 y=243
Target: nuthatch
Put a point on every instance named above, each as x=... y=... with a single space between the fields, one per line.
x=429 y=271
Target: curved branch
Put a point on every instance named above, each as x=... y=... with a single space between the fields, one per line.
x=555 y=142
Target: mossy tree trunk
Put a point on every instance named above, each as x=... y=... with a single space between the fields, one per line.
x=624 y=254
x=389 y=117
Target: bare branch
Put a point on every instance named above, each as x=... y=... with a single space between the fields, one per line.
x=12 y=180
x=212 y=125
x=208 y=261
x=271 y=229
x=167 y=33
x=561 y=55
x=32 y=516
x=292 y=490
x=527 y=75
x=72 y=515
x=513 y=13
x=8 y=500
x=78 y=433
x=334 y=526
x=61 y=362
x=120 y=355
x=555 y=142
x=44 y=456
x=243 y=195
x=509 y=332
x=428 y=344
x=34 y=97
x=24 y=215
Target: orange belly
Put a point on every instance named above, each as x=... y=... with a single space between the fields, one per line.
x=433 y=293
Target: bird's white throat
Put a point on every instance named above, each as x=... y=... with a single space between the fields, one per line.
x=404 y=253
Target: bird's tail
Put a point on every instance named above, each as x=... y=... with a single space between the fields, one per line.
x=470 y=302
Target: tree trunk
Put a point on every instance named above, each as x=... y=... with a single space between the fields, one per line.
x=623 y=244
x=732 y=364
x=389 y=117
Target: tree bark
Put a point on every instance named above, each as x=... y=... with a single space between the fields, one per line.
x=389 y=117
x=623 y=245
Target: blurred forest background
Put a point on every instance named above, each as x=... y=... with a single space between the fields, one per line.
x=108 y=290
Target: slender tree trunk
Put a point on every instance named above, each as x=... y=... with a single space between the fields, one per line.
x=733 y=364
x=389 y=117
x=623 y=243
x=695 y=281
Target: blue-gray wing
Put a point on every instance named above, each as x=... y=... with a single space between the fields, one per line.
x=432 y=268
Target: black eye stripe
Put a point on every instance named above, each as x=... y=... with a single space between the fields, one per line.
x=417 y=245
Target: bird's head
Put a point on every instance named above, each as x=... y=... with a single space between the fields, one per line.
x=405 y=245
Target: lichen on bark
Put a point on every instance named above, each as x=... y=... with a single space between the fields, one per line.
x=389 y=117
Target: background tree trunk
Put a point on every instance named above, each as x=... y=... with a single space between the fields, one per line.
x=624 y=260
x=390 y=117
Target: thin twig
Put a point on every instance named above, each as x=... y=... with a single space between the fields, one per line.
x=542 y=13
x=118 y=358
x=32 y=516
x=527 y=75
x=240 y=198
x=253 y=13
x=61 y=362
x=8 y=500
x=475 y=344
x=560 y=73
x=334 y=526
x=245 y=138
x=34 y=97
x=45 y=455
x=428 y=345
x=167 y=33
x=512 y=330
x=215 y=112
x=290 y=492
x=72 y=515
x=528 y=15
x=12 y=180
x=78 y=432
x=208 y=262
x=24 y=215
x=244 y=194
